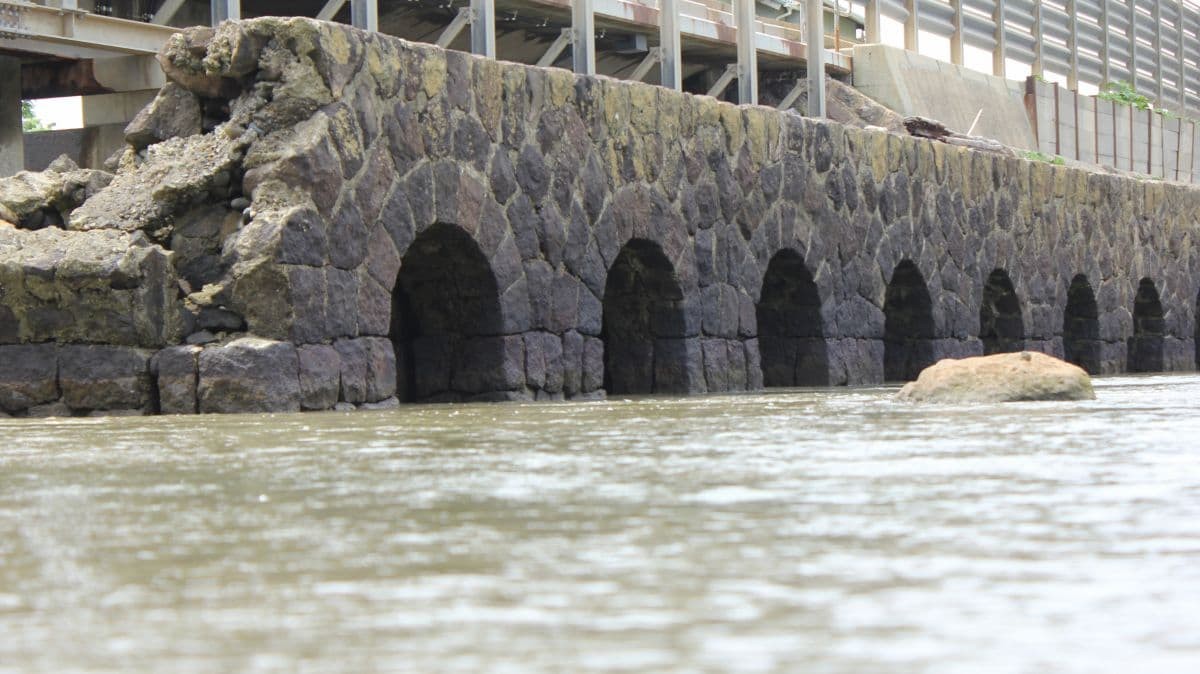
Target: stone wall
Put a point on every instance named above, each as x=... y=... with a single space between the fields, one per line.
x=352 y=219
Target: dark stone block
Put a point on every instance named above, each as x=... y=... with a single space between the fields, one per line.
x=539 y=278
x=104 y=377
x=593 y=365
x=523 y=220
x=302 y=239
x=372 y=188
x=320 y=376
x=404 y=137
x=381 y=368
x=28 y=376
x=531 y=173
x=249 y=375
x=307 y=286
x=418 y=188
x=738 y=375
x=501 y=176
x=572 y=359
x=716 y=364
x=471 y=142
x=564 y=311
x=374 y=306
x=354 y=362
x=348 y=237
x=341 y=308
x=552 y=235
x=176 y=370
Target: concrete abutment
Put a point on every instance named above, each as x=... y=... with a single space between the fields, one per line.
x=396 y=221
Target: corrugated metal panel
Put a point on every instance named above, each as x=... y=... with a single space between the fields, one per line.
x=1094 y=28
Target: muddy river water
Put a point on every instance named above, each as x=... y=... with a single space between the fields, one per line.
x=823 y=530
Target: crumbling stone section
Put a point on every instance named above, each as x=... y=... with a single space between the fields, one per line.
x=312 y=217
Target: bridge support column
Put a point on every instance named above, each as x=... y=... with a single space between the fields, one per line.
x=12 y=136
x=108 y=115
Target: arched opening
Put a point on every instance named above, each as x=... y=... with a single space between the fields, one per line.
x=1081 y=326
x=1146 y=345
x=644 y=327
x=791 y=338
x=1001 y=328
x=908 y=324
x=446 y=319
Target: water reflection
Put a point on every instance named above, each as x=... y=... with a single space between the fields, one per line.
x=817 y=530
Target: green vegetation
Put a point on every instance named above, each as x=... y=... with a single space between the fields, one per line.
x=1034 y=155
x=30 y=121
x=1125 y=94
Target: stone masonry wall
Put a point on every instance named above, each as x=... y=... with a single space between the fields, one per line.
x=351 y=217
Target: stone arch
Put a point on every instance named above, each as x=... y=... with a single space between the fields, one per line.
x=1146 y=344
x=1081 y=326
x=791 y=335
x=644 y=324
x=908 y=327
x=1001 y=328
x=446 y=322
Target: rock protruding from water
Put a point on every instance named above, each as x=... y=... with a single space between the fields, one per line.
x=1005 y=377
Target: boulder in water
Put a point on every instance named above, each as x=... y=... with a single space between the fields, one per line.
x=1005 y=377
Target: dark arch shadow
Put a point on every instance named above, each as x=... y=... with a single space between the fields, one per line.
x=446 y=319
x=791 y=336
x=1146 y=345
x=644 y=327
x=908 y=328
x=1081 y=326
x=1001 y=328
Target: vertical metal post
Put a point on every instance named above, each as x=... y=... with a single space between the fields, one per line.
x=872 y=20
x=668 y=39
x=483 y=27
x=747 y=54
x=583 y=44
x=912 y=25
x=1182 y=82
x=1105 y=43
x=1037 y=38
x=225 y=9
x=1156 y=12
x=1000 y=37
x=1072 y=47
x=815 y=36
x=1133 y=55
x=956 y=37
x=364 y=14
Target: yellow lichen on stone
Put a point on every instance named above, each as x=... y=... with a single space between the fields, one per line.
x=731 y=122
x=756 y=133
x=669 y=111
x=336 y=45
x=561 y=86
x=875 y=144
x=895 y=153
x=616 y=106
x=643 y=108
x=489 y=92
x=433 y=72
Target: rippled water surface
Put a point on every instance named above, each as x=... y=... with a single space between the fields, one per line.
x=815 y=531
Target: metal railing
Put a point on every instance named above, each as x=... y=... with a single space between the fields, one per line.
x=1152 y=44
